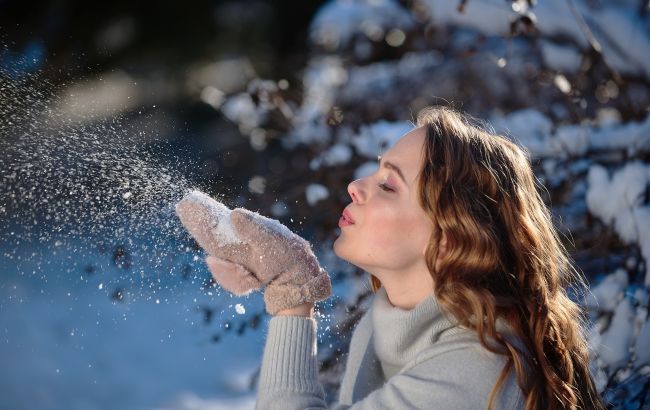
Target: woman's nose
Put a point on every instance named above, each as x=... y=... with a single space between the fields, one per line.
x=356 y=191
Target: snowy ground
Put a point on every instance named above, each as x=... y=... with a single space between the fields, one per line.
x=68 y=344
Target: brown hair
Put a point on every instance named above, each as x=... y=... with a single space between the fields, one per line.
x=504 y=259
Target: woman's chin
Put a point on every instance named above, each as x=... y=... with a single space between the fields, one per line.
x=339 y=250
x=336 y=247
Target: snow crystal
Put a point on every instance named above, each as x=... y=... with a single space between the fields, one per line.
x=240 y=309
x=315 y=193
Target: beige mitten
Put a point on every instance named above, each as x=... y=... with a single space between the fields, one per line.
x=248 y=251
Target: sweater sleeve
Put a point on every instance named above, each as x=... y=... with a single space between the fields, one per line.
x=289 y=374
x=457 y=379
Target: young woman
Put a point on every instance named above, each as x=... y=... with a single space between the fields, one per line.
x=470 y=309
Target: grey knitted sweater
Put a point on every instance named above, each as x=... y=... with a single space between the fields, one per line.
x=398 y=359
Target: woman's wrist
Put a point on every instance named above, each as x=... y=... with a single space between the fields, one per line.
x=306 y=309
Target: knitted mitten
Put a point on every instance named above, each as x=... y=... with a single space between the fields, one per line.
x=248 y=251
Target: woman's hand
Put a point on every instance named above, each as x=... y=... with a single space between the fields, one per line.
x=248 y=251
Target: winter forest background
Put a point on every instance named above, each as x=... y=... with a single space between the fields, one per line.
x=111 y=111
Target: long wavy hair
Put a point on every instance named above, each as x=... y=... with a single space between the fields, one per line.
x=504 y=260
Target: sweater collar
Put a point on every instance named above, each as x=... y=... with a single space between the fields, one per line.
x=400 y=335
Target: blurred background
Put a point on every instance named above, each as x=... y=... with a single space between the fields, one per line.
x=111 y=112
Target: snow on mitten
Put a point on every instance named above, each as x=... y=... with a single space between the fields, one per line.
x=248 y=251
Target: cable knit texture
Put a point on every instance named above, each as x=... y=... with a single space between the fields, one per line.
x=398 y=359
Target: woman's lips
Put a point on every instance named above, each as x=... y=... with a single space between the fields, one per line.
x=345 y=219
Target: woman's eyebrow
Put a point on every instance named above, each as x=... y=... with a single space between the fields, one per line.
x=392 y=166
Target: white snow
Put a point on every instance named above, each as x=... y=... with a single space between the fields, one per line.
x=536 y=132
x=273 y=225
x=631 y=136
x=365 y=169
x=213 y=96
x=572 y=139
x=620 y=31
x=338 y=21
x=224 y=230
x=491 y=17
x=337 y=154
x=327 y=78
x=242 y=110
x=563 y=58
x=617 y=28
x=614 y=350
x=190 y=401
x=375 y=138
x=619 y=201
x=321 y=79
x=86 y=351
x=315 y=193
x=384 y=75
x=530 y=128
x=240 y=309
x=609 y=292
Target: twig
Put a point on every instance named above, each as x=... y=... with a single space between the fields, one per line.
x=593 y=42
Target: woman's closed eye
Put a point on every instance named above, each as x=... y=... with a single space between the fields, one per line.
x=385 y=187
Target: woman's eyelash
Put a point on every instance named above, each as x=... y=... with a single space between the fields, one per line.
x=385 y=187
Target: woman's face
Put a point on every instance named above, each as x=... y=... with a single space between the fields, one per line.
x=389 y=229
